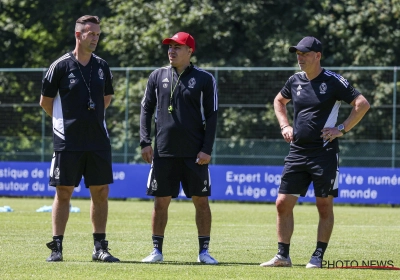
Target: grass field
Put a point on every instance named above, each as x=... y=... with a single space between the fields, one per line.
x=243 y=236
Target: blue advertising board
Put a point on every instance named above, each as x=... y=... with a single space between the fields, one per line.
x=235 y=183
x=261 y=183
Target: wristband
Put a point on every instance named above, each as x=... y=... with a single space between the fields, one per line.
x=284 y=126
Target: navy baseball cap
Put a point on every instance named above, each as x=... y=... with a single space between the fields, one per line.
x=307 y=44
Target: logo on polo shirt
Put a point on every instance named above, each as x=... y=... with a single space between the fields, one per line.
x=165 y=81
x=71 y=78
x=298 y=89
x=101 y=74
x=322 y=88
x=192 y=82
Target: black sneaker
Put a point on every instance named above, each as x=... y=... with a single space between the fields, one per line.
x=56 y=251
x=102 y=254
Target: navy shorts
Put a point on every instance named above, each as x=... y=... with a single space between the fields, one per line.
x=68 y=167
x=166 y=175
x=323 y=172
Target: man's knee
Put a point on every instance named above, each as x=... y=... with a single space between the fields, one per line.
x=161 y=203
x=325 y=207
x=201 y=202
x=285 y=203
x=64 y=193
x=99 y=193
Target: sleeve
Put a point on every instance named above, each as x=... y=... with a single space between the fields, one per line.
x=51 y=81
x=346 y=91
x=108 y=89
x=286 y=90
x=210 y=114
x=148 y=105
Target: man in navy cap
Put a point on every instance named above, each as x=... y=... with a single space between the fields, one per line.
x=316 y=94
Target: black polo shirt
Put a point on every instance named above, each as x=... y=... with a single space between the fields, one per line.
x=191 y=125
x=316 y=105
x=75 y=128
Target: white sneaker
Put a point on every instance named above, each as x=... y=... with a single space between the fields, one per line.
x=315 y=262
x=155 y=256
x=204 y=257
x=278 y=261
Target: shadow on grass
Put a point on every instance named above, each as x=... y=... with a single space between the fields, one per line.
x=197 y=263
x=183 y=263
x=188 y=263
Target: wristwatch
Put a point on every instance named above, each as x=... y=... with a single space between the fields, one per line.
x=341 y=128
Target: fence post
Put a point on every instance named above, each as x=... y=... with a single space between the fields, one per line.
x=126 y=116
x=394 y=117
x=214 y=153
x=43 y=126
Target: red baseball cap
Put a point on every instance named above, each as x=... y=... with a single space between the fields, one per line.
x=182 y=38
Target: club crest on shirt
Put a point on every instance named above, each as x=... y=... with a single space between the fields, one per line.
x=298 y=89
x=192 y=82
x=322 y=88
x=165 y=81
x=71 y=78
x=101 y=74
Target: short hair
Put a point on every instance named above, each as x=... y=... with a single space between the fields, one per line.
x=80 y=22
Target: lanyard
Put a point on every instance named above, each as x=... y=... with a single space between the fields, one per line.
x=170 y=108
x=90 y=76
x=91 y=104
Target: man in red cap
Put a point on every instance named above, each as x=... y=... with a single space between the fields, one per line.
x=184 y=101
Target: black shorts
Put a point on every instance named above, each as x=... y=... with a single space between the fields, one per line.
x=68 y=167
x=298 y=174
x=166 y=174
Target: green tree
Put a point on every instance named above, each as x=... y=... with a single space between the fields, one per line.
x=33 y=33
x=228 y=33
